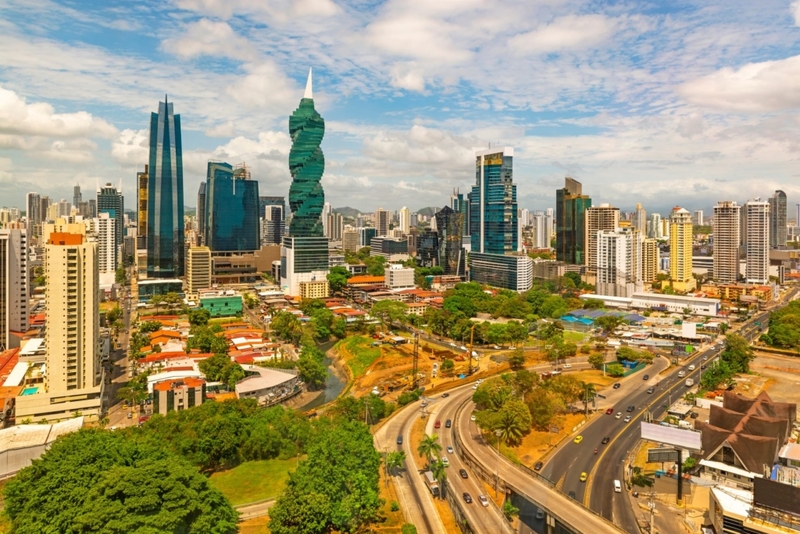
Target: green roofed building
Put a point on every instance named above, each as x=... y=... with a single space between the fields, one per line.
x=222 y=304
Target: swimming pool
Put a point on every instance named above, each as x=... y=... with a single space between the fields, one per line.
x=29 y=391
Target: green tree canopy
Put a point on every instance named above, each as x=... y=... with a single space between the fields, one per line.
x=99 y=481
x=337 y=279
x=199 y=317
x=207 y=341
x=220 y=368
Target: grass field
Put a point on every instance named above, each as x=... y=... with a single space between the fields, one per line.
x=361 y=354
x=575 y=337
x=593 y=376
x=254 y=481
x=255 y=526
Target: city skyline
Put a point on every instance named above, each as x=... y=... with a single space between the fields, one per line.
x=660 y=105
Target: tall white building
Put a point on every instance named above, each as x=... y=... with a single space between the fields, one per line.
x=619 y=262
x=103 y=228
x=335 y=227
x=13 y=285
x=655 y=227
x=598 y=218
x=757 y=247
x=405 y=220
x=640 y=220
x=698 y=219
x=540 y=230
x=726 y=241
x=326 y=210
x=550 y=221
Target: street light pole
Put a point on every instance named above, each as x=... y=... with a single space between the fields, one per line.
x=498 y=433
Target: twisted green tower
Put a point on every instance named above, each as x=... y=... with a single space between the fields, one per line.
x=306 y=163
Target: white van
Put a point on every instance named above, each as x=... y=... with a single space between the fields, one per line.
x=691 y=367
x=617 y=486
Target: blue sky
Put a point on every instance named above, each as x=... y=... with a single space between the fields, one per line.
x=685 y=105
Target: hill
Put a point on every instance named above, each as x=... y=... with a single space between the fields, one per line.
x=347 y=211
x=429 y=211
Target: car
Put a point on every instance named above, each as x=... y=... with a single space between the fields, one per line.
x=702 y=366
x=567 y=366
x=572 y=495
x=650 y=390
x=705 y=358
x=605 y=440
x=694 y=415
x=448 y=423
x=584 y=476
x=445 y=461
x=450 y=450
x=467 y=498
x=437 y=424
x=512 y=347
x=578 y=439
x=691 y=367
x=610 y=411
x=463 y=347
x=539 y=513
x=616 y=385
x=452 y=344
x=681 y=374
x=130 y=415
x=619 y=414
x=646 y=377
x=445 y=395
x=475 y=386
x=496 y=347
x=399 y=440
x=631 y=408
x=463 y=473
x=483 y=500
x=627 y=419
x=472 y=418
x=537 y=466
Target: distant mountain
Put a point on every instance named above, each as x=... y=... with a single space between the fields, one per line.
x=347 y=211
x=429 y=211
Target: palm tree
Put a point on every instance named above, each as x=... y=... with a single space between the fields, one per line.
x=395 y=461
x=511 y=426
x=429 y=447
x=439 y=473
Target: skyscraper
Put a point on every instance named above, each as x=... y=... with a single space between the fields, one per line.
x=405 y=220
x=460 y=204
x=13 y=285
x=757 y=247
x=777 y=220
x=77 y=198
x=451 y=254
x=231 y=209
x=110 y=201
x=198 y=269
x=651 y=258
x=640 y=220
x=327 y=209
x=382 y=221
x=304 y=255
x=602 y=218
x=655 y=231
x=273 y=212
x=726 y=226
x=493 y=203
x=540 y=231
x=571 y=206
x=335 y=226
x=165 y=236
x=104 y=228
x=201 y=213
x=698 y=219
x=680 y=250
x=141 y=221
x=33 y=211
x=619 y=262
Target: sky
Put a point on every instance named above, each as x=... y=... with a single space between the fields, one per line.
x=686 y=102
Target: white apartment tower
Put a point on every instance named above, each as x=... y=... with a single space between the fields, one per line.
x=602 y=218
x=640 y=220
x=73 y=327
x=698 y=219
x=757 y=247
x=405 y=220
x=726 y=241
x=619 y=262
x=13 y=285
x=104 y=228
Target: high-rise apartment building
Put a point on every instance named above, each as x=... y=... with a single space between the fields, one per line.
x=33 y=214
x=165 y=232
x=77 y=198
x=142 y=179
x=726 y=225
x=104 y=229
x=109 y=200
x=540 y=230
x=680 y=250
x=619 y=262
x=198 y=269
x=651 y=259
x=382 y=222
x=73 y=329
x=350 y=241
x=493 y=203
x=335 y=226
x=405 y=220
x=273 y=212
x=640 y=220
x=571 y=206
x=698 y=219
x=461 y=205
x=13 y=285
x=550 y=222
x=63 y=208
x=602 y=218
x=327 y=209
x=777 y=220
x=655 y=229
x=757 y=248
x=231 y=209
x=200 y=214
x=304 y=255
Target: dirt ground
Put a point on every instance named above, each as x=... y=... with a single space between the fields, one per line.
x=781 y=374
x=536 y=444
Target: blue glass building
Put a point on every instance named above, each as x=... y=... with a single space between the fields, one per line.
x=493 y=203
x=165 y=235
x=231 y=210
x=110 y=201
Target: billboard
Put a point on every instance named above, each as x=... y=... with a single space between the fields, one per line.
x=777 y=496
x=662 y=454
x=677 y=437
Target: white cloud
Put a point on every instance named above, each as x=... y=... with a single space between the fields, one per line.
x=414 y=36
x=225 y=129
x=264 y=86
x=407 y=76
x=755 y=87
x=566 y=33
x=795 y=7
x=71 y=150
x=131 y=147
x=18 y=117
x=210 y=38
x=421 y=145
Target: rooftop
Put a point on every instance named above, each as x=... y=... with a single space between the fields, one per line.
x=264 y=379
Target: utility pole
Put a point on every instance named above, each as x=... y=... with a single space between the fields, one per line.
x=651 y=504
x=415 y=364
x=497 y=470
x=471 y=339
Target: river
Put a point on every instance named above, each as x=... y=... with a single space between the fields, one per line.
x=334 y=384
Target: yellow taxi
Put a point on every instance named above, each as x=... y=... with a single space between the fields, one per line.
x=584 y=476
x=578 y=439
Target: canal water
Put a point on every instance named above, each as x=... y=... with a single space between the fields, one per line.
x=334 y=384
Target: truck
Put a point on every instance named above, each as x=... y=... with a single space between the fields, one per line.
x=432 y=484
x=689 y=382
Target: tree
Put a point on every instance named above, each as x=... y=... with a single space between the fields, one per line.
x=220 y=368
x=199 y=317
x=689 y=464
x=639 y=479
x=609 y=323
x=738 y=353
x=597 y=360
x=249 y=300
x=593 y=304
x=517 y=359
x=94 y=480
x=113 y=315
x=543 y=407
x=337 y=279
x=395 y=461
x=429 y=447
x=311 y=367
x=510 y=511
x=513 y=421
x=447 y=367
x=147 y=327
x=408 y=528
x=389 y=311
x=439 y=472
x=492 y=394
x=615 y=369
x=287 y=326
x=524 y=382
x=206 y=340
x=132 y=396
x=120 y=276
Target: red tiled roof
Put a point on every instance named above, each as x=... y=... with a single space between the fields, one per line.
x=167 y=385
x=365 y=279
x=172 y=356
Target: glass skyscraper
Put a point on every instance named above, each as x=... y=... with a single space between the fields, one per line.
x=571 y=206
x=231 y=209
x=493 y=203
x=165 y=236
x=110 y=201
x=449 y=225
